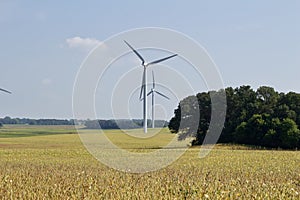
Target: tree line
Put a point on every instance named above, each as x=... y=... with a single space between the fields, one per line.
x=263 y=117
x=89 y=124
x=8 y=120
x=122 y=124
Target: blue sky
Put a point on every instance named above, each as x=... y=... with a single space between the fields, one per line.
x=43 y=44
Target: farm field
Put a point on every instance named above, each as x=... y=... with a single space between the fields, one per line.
x=50 y=162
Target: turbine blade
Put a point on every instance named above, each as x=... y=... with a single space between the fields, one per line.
x=5 y=91
x=141 y=92
x=153 y=79
x=162 y=95
x=142 y=87
x=149 y=93
x=139 y=55
x=160 y=60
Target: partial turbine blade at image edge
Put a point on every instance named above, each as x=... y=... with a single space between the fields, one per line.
x=160 y=60
x=5 y=91
x=142 y=59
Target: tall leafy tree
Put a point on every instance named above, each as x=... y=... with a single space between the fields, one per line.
x=262 y=117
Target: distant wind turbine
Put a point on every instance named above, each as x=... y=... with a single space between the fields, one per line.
x=144 y=83
x=5 y=91
x=153 y=91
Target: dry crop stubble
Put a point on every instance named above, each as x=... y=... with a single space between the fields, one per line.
x=57 y=166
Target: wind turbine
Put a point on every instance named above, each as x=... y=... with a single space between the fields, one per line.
x=5 y=91
x=153 y=91
x=144 y=83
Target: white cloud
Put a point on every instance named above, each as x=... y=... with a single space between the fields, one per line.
x=46 y=81
x=41 y=16
x=82 y=43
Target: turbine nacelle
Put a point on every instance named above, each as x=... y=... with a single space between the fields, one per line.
x=144 y=63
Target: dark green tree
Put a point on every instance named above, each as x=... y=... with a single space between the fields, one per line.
x=267 y=99
x=288 y=134
x=263 y=117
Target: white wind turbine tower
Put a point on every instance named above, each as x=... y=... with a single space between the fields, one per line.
x=144 y=83
x=153 y=91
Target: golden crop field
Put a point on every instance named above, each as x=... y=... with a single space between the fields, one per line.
x=39 y=162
